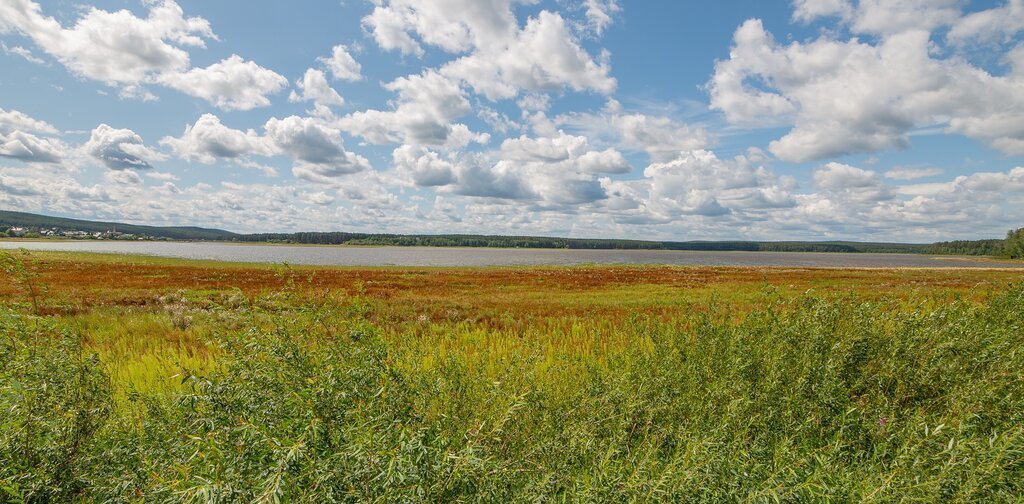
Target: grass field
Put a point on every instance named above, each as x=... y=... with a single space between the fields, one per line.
x=143 y=379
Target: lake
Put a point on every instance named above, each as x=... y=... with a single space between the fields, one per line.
x=432 y=256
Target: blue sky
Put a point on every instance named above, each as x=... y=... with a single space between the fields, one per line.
x=813 y=119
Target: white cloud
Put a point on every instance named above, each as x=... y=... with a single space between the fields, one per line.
x=502 y=59
x=112 y=47
x=342 y=65
x=313 y=87
x=886 y=17
x=544 y=56
x=838 y=176
x=162 y=176
x=13 y=120
x=453 y=25
x=996 y=25
x=564 y=152
x=423 y=112
x=699 y=183
x=423 y=167
x=208 y=140
x=120 y=149
x=231 y=84
x=22 y=52
x=548 y=171
x=320 y=198
x=18 y=139
x=809 y=10
x=129 y=52
x=662 y=138
x=1015 y=60
x=31 y=148
x=608 y=161
x=850 y=183
x=317 y=149
x=122 y=177
x=1012 y=180
x=600 y=13
x=841 y=98
x=908 y=173
x=881 y=17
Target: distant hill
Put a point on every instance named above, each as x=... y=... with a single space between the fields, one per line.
x=28 y=220
x=964 y=247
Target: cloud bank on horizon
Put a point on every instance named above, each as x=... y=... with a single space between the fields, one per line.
x=861 y=119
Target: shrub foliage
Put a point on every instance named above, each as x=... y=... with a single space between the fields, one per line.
x=805 y=399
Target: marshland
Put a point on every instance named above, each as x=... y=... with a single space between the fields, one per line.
x=132 y=378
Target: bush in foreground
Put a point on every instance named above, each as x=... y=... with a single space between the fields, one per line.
x=809 y=399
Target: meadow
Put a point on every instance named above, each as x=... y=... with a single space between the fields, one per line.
x=135 y=379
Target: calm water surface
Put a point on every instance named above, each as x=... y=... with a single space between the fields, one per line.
x=430 y=256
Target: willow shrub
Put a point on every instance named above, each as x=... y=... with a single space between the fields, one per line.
x=805 y=400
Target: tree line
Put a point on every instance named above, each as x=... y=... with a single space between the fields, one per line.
x=1012 y=246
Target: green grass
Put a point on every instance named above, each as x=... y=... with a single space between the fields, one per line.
x=752 y=394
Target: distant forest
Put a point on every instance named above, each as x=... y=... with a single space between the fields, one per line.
x=961 y=247
x=1012 y=246
x=993 y=247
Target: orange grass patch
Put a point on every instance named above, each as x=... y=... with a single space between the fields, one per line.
x=460 y=293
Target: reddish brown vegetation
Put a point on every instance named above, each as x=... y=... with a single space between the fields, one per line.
x=444 y=293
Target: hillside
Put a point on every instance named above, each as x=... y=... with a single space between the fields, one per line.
x=28 y=220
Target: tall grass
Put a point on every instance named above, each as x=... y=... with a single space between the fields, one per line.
x=310 y=399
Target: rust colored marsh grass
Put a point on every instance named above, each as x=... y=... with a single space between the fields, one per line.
x=141 y=379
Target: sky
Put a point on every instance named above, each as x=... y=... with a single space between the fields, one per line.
x=880 y=120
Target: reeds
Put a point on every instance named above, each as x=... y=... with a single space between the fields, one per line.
x=307 y=395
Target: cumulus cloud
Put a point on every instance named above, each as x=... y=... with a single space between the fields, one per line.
x=909 y=173
x=552 y=171
x=314 y=145
x=881 y=17
x=564 y=152
x=342 y=65
x=543 y=56
x=423 y=167
x=885 y=17
x=846 y=97
x=208 y=140
x=850 y=182
x=1012 y=180
x=313 y=87
x=120 y=149
x=502 y=59
x=18 y=139
x=23 y=53
x=128 y=52
x=318 y=149
x=231 y=84
x=600 y=14
x=662 y=138
x=13 y=120
x=30 y=148
x=809 y=10
x=453 y=25
x=112 y=47
x=700 y=183
x=995 y=25
x=423 y=114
